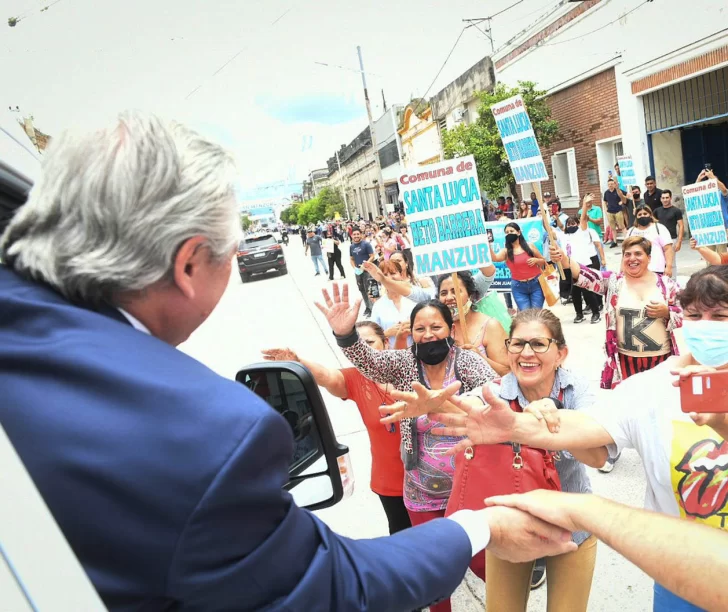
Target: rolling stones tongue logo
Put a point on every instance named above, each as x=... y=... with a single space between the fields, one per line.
x=704 y=488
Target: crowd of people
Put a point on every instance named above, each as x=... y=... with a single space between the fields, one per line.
x=168 y=480
x=444 y=351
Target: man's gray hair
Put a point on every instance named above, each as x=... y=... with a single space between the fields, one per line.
x=113 y=207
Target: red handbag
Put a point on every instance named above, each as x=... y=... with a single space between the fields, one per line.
x=499 y=469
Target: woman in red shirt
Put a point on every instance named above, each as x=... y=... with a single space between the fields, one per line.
x=387 y=477
x=525 y=263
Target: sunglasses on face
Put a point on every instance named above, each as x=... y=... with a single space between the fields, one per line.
x=538 y=345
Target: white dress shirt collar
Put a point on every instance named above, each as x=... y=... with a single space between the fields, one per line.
x=135 y=323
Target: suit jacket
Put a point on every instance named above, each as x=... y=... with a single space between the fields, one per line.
x=166 y=478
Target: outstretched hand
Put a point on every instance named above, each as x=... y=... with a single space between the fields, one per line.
x=275 y=354
x=492 y=423
x=545 y=410
x=340 y=315
x=418 y=402
x=374 y=271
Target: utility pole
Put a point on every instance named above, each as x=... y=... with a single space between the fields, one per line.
x=343 y=188
x=382 y=194
x=488 y=29
x=384 y=101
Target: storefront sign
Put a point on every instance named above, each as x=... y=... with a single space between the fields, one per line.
x=445 y=217
x=532 y=230
x=704 y=213
x=519 y=141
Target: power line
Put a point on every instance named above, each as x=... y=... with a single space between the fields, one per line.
x=599 y=29
x=232 y=59
x=494 y=15
x=424 y=97
x=529 y=15
x=505 y=9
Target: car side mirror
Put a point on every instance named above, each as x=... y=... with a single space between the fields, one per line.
x=320 y=473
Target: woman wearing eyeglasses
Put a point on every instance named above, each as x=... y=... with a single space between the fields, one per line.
x=536 y=353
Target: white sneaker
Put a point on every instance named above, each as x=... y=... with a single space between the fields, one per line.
x=607 y=467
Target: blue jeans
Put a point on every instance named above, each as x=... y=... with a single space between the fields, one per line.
x=316 y=260
x=666 y=601
x=527 y=294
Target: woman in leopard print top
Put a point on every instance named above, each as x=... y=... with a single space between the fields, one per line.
x=434 y=361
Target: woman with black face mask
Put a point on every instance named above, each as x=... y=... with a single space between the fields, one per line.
x=433 y=362
x=646 y=226
x=525 y=263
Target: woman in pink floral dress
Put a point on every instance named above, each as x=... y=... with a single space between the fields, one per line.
x=642 y=312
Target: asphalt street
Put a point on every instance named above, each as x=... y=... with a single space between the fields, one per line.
x=278 y=311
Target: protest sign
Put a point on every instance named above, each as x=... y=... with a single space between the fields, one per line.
x=328 y=245
x=445 y=216
x=532 y=230
x=704 y=213
x=519 y=141
x=626 y=170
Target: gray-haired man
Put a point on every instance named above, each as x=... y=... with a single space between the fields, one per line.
x=166 y=478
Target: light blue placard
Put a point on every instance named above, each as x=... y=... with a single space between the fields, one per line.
x=519 y=141
x=704 y=213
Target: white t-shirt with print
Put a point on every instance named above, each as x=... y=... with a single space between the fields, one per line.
x=686 y=466
x=577 y=246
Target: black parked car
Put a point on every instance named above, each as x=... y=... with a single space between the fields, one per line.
x=258 y=254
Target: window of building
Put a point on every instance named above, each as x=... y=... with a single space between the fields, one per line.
x=566 y=181
x=443 y=125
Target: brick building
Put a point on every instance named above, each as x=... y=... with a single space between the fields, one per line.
x=588 y=113
x=661 y=99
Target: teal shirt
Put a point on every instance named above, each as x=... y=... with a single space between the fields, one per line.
x=595 y=213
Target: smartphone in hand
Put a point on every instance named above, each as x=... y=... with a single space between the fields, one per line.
x=705 y=393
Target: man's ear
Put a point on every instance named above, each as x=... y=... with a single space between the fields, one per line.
x=188 y=263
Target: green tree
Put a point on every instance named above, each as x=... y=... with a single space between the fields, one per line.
x=290 y=214
x=332 y=201
x=245 y=222
x=482 y=140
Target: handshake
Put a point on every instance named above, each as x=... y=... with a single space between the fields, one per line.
x=538 y=524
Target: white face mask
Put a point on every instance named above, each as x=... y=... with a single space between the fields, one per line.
x=466 y=309
x=707 y=341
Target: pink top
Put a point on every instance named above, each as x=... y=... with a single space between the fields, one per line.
x=427 y=488
x=391 y=247
x=520 y=270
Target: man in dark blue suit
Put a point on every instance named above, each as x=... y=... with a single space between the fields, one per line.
x=165 y=478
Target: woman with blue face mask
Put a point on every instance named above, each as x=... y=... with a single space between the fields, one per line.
x=685 y=456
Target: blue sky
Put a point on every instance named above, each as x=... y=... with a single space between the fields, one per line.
x=314 y=108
